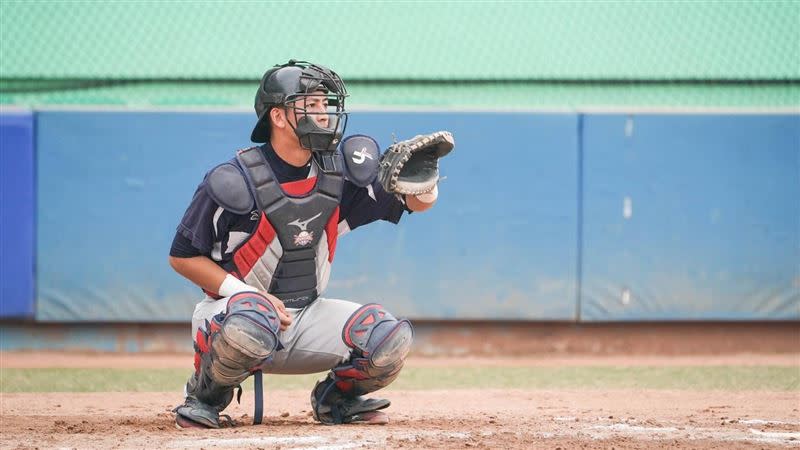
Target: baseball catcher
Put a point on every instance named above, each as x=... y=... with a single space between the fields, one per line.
x=259 y=238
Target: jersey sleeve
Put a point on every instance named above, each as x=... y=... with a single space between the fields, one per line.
x=196 y=225
x=363 y=205
x=182 y=247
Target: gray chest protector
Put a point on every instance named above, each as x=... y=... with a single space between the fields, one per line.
x=290 y=253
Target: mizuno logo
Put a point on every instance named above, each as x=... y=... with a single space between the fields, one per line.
x=303 y=224
x=360 y=156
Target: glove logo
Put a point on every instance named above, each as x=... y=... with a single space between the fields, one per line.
x=304 y=237
x=360 y=156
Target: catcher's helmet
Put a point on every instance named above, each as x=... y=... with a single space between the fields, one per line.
x=284 y=85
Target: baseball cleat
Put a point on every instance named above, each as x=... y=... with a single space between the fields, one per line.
x=370 y=418
x=182 y=422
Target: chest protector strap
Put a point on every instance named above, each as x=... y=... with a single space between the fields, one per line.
x=290 y=253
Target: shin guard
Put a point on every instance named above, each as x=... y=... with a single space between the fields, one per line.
x=235 y=344
x=380 y=344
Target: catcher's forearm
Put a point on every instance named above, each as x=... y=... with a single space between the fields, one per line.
x=200 y=270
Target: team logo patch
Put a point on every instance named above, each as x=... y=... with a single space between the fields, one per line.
x=304 y=237
x=360 y=156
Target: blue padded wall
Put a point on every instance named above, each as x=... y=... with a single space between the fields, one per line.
x=112 y=187
x=16 y=214
x=691 y=217
x=683 y=217
x=500 y=243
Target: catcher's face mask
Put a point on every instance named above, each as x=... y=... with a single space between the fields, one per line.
x=313 y=97
x=317 y=118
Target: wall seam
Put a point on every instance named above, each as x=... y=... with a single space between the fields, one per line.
x=579 y=250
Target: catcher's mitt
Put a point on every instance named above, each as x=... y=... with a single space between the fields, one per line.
x=412 y=166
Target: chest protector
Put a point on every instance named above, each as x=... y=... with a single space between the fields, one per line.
x=290 y=253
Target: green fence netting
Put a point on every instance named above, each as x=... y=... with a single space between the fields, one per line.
x=723 y=53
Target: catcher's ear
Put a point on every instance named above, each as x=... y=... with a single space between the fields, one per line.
x=277 y=117
x=361 y=157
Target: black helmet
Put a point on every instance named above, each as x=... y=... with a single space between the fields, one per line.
x=283 y=85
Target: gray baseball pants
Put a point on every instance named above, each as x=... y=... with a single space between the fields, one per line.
x=312 y=343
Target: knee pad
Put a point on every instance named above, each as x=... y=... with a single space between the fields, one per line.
x=380 y=344
x=242 y=338
x=377 y=335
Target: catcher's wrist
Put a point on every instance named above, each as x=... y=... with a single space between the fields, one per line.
x=429 y=197
x=232 y=286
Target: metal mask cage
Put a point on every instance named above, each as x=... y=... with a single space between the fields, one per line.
x=306 y=105
x=321 y=93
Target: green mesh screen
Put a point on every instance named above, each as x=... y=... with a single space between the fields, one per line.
x=494 y=54
x=485 y=96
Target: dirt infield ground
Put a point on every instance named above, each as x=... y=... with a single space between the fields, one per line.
x=422 y=418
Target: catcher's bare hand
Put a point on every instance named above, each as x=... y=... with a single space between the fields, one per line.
x=412 y=166
x=283 y=315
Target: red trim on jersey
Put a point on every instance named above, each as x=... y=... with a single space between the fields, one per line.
x=299 y=187
x=247 y=255
x=332 y=230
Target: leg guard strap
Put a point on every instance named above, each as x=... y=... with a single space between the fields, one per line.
x=258 y=387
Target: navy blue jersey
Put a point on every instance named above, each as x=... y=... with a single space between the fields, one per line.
x=208 y=229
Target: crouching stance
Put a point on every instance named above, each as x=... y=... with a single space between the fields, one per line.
x=380 y=345
x=236 y=342
x=260 y=236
